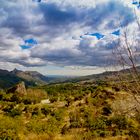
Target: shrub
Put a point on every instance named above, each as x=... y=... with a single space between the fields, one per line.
x=75 y=120
x=50 y=126
x=10 y=128
x=99 y=123
x=58 y=114
x=46 y=110
x=120 y=122
x=34 y=96
x=53 y=99
x=15 y=112
x=7 y=97
x=69 y=100
x=106 y=110
x=2 y=93
x=135 y=133
x=36 y=111
x=8 y=107
x=16 y=98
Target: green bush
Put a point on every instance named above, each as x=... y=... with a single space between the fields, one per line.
x=53 y=99
x=36 y=111
x=120 y=122
x=10 y=128
x=15 y=112
x=75 y=120
x=8 y=107
x=50 y=126
x=34 y=96
x=2 y=93
x=58 y=114
x=135 y=133
x=16 y=98
x=36 y=126
x=46 y=110
x=106 y=110
x=7 y=97
x=98 y=123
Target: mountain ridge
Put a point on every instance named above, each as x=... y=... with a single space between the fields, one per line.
x=31 y=78
x=34 y=78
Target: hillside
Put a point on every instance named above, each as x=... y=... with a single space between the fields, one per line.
x=71 y=111
x=31 y=78
x=114 y=75
x=8 y=79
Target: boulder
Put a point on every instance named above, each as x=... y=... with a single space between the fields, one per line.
x=47 y=101
x=19 y=88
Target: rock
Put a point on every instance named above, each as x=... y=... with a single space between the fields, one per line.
x=47 y=101
x=19 y=88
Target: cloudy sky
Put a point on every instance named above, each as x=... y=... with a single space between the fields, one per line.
x=62 y=37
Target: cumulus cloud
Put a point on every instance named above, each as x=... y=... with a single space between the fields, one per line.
x=57 y=27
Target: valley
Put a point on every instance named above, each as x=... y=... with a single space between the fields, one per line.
x=104 y=108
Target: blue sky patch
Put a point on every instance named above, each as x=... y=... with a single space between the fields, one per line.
x=134 y=2
x=36 y=0
x=28 y=43
x=97 y=35
x=138 y=6
x=117 y=33
x=24 y=47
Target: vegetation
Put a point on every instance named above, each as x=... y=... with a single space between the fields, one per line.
x=79 y=111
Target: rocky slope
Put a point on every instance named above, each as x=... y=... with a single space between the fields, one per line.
x=31 y=78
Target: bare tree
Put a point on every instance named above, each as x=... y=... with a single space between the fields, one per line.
x=127 y=56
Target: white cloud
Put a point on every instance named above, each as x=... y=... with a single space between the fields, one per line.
x=57 y=26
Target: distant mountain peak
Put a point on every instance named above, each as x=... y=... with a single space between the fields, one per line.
x=15 y=71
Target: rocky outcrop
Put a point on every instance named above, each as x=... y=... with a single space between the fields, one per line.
x=19 y=88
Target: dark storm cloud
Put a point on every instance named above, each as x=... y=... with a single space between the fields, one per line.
x=64 y=16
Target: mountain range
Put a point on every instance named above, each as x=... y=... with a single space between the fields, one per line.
x=34 y=78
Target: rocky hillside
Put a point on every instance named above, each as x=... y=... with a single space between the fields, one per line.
x=8 y=79
x=70 y=111
x=31 y=78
